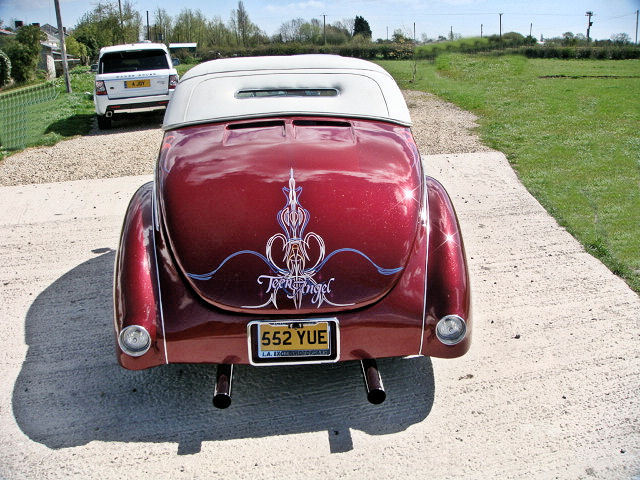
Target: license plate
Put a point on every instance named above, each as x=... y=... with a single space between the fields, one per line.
x=137 y=83
x=293 y=342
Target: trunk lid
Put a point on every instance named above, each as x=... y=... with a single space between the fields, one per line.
x=290 y=216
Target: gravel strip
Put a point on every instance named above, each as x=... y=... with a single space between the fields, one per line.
x=131 y=147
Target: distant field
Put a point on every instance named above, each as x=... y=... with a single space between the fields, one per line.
x=572 y=137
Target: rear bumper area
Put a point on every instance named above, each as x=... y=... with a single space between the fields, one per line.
x=130 y=105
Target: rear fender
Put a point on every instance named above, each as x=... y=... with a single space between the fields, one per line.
x=448 y=291
x=136 y=292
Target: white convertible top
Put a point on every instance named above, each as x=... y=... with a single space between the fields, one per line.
x=253 y=87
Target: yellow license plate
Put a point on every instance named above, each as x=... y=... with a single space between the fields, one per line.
x=294 y=340
x=137 y=83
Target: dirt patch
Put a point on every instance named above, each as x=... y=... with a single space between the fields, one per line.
x=441 y=127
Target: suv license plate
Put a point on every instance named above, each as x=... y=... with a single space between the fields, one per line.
x=137 y=83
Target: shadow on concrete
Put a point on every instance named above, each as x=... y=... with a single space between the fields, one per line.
x=71 y=391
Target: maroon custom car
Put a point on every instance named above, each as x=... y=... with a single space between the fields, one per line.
x=289 y=222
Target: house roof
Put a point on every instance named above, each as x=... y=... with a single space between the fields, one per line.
x=253 y=87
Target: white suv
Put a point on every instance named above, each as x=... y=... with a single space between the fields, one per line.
x=137 y=77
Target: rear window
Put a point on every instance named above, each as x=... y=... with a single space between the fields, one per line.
x=133 y=61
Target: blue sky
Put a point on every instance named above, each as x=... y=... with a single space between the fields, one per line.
x=549 y=17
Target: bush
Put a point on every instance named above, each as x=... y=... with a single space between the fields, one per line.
x=23 y=64
x=388 y=51
x=24 y=52
x=607 y=52
x=5 y=69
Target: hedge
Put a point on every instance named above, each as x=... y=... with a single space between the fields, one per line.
x=613 y=52
x=404 y=51
x=387 y=51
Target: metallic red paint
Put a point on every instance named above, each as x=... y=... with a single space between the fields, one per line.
x=220 y=188
x=391 y=322
x=136 y=290
x=448 y=288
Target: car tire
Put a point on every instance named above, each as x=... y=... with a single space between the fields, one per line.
x=104 y=122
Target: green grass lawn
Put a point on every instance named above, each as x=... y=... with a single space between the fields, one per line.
x=574 y=142
x=183 y=67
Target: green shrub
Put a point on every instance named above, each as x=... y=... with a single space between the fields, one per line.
x=5 y=69
x=24 y=52
x=389 y=51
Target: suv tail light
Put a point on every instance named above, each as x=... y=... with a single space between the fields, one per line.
x=173 y=81
x=100 y=88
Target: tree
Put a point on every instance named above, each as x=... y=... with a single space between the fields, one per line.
x=247 y=33
x=399 y=37
x=218 y=34
x=290 y=31
x=361 y=27
x=568 y=38
x=240 y=19
x=76 y=49
x=163 y=25
x=346 y=25
x=101 y=26
x=24 y=51
x=337 y=34
x=90 y=42
x=426 y=39
x=621 y=38
x=190 y=26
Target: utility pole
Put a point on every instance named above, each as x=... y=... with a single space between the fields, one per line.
x=148 y=31
x=121 y=25
x=530 y=29
x=414 y=32
x=451 y=33
x=324 y=27
x=480 y=30
x=636 y=27
x=387 y=33
x=500 y=26
x=65 y=67
x=589 y=23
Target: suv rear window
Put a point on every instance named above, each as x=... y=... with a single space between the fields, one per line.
x=133 y=61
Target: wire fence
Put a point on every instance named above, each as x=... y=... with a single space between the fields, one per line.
x=19 y=110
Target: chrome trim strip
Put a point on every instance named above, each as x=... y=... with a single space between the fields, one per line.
x=155 y=257
x=286 y=322
x=425 y=216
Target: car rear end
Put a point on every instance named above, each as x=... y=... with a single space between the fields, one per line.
x=133 y=78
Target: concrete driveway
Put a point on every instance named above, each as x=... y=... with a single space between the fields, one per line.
x=550 y=388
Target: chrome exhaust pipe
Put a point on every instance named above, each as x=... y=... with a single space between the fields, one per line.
x=222 y=391
x=372 y=381
x=108 y=114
